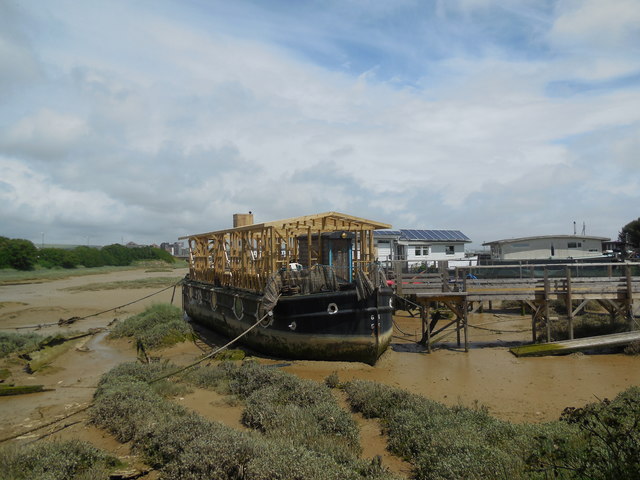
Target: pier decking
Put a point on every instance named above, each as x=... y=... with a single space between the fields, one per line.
x=615 y=286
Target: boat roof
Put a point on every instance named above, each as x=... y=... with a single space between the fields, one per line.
x=325 y=222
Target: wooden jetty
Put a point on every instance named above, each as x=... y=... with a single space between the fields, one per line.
x=580 y=344
x=615 y=286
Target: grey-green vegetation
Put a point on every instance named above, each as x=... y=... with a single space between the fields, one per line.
x=158 y=326
x=11 y=342
x=184 y=445
x=74 y=460
x=600 y=441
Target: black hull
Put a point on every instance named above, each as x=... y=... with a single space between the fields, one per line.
x=319 y=326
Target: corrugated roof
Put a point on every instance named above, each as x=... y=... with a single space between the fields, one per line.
x=425 y=235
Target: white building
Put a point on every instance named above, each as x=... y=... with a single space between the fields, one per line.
x=422 y=246
x=547 y=247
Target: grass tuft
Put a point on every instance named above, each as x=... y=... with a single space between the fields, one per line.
x=184 y=445
x=158 y=326
x=72 y=459
x=18 y=342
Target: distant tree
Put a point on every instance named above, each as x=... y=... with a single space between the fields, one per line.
x=22 y=254
x=89 y=257
x=4 y=252
x=630 y=233
x=117 y=255
x=56 y=257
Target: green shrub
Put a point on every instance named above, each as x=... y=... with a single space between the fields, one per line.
x=17 y=253
x=14 y=342
x=158 y=326
x=282 y=405
x=610 y=434
x=56 y=257
x=183 y=445
x=442 y=442
x=55 y=460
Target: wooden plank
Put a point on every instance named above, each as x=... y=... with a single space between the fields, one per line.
x=568 y=346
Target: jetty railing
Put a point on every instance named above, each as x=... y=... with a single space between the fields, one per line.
x=615 y=286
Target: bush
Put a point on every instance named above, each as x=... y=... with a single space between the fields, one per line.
x=158 y=326
x=57 y=257
x=186 y=446
x=17 y=253
x=443 y=442
x=55 y=460
x=282 y=405
x=14 y=342
x=610 y=434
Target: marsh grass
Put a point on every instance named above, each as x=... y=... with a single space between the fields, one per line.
x=600 y=441
x=9 y=276
x=282 y=405
x=184 y=445
x=56 y=460
x=153 y=282
x=11 y=342
x=40 y=275
x=160 y=325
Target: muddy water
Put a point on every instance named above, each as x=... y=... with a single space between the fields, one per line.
x=514 y=389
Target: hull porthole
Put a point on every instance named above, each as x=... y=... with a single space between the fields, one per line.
x=238 y=308
x=332 y=309
x=214 y=301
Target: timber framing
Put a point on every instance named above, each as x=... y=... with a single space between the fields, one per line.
x=245 y=257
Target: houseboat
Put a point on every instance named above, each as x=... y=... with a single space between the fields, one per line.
x=309 y=286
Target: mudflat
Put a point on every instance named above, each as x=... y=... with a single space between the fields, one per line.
x=514 y=389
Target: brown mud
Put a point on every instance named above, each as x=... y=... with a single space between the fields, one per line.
x=518 y=390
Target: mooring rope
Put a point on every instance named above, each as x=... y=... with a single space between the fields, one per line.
x=215 y=352
x=171 y=374
x=75 y=319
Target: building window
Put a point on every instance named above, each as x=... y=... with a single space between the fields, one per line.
x=449 y=249
x=574 y=245
x=418 y=250
x=425 y=250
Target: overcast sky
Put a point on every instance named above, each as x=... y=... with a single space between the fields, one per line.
x=147 y=120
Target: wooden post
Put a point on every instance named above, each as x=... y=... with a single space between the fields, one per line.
x=428 y=314
x=457 y=328
x=629 y=300
x=569 y=302
x=465 y=320
x=309 y=246
x=546 y=304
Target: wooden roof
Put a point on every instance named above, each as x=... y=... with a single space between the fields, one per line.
x=325 y=222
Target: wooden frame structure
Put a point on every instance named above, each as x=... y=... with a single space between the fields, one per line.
x=245 y=257
x=612 y=285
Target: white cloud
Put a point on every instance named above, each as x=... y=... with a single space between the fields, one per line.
x=45 y=134
x=172 y=126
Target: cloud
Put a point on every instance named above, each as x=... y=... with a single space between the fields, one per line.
x=43 y=135
x=192 y=112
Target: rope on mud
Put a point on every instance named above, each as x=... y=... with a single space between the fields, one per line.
x=68 y=321
x=215 y=352
x=40 y=427
x=401 y=331
x=493 y=330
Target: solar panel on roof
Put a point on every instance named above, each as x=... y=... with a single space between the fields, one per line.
x=428 y=235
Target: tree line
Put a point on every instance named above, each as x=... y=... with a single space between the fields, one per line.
x=23 y=255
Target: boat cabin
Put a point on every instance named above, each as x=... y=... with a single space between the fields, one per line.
x=247 y=255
